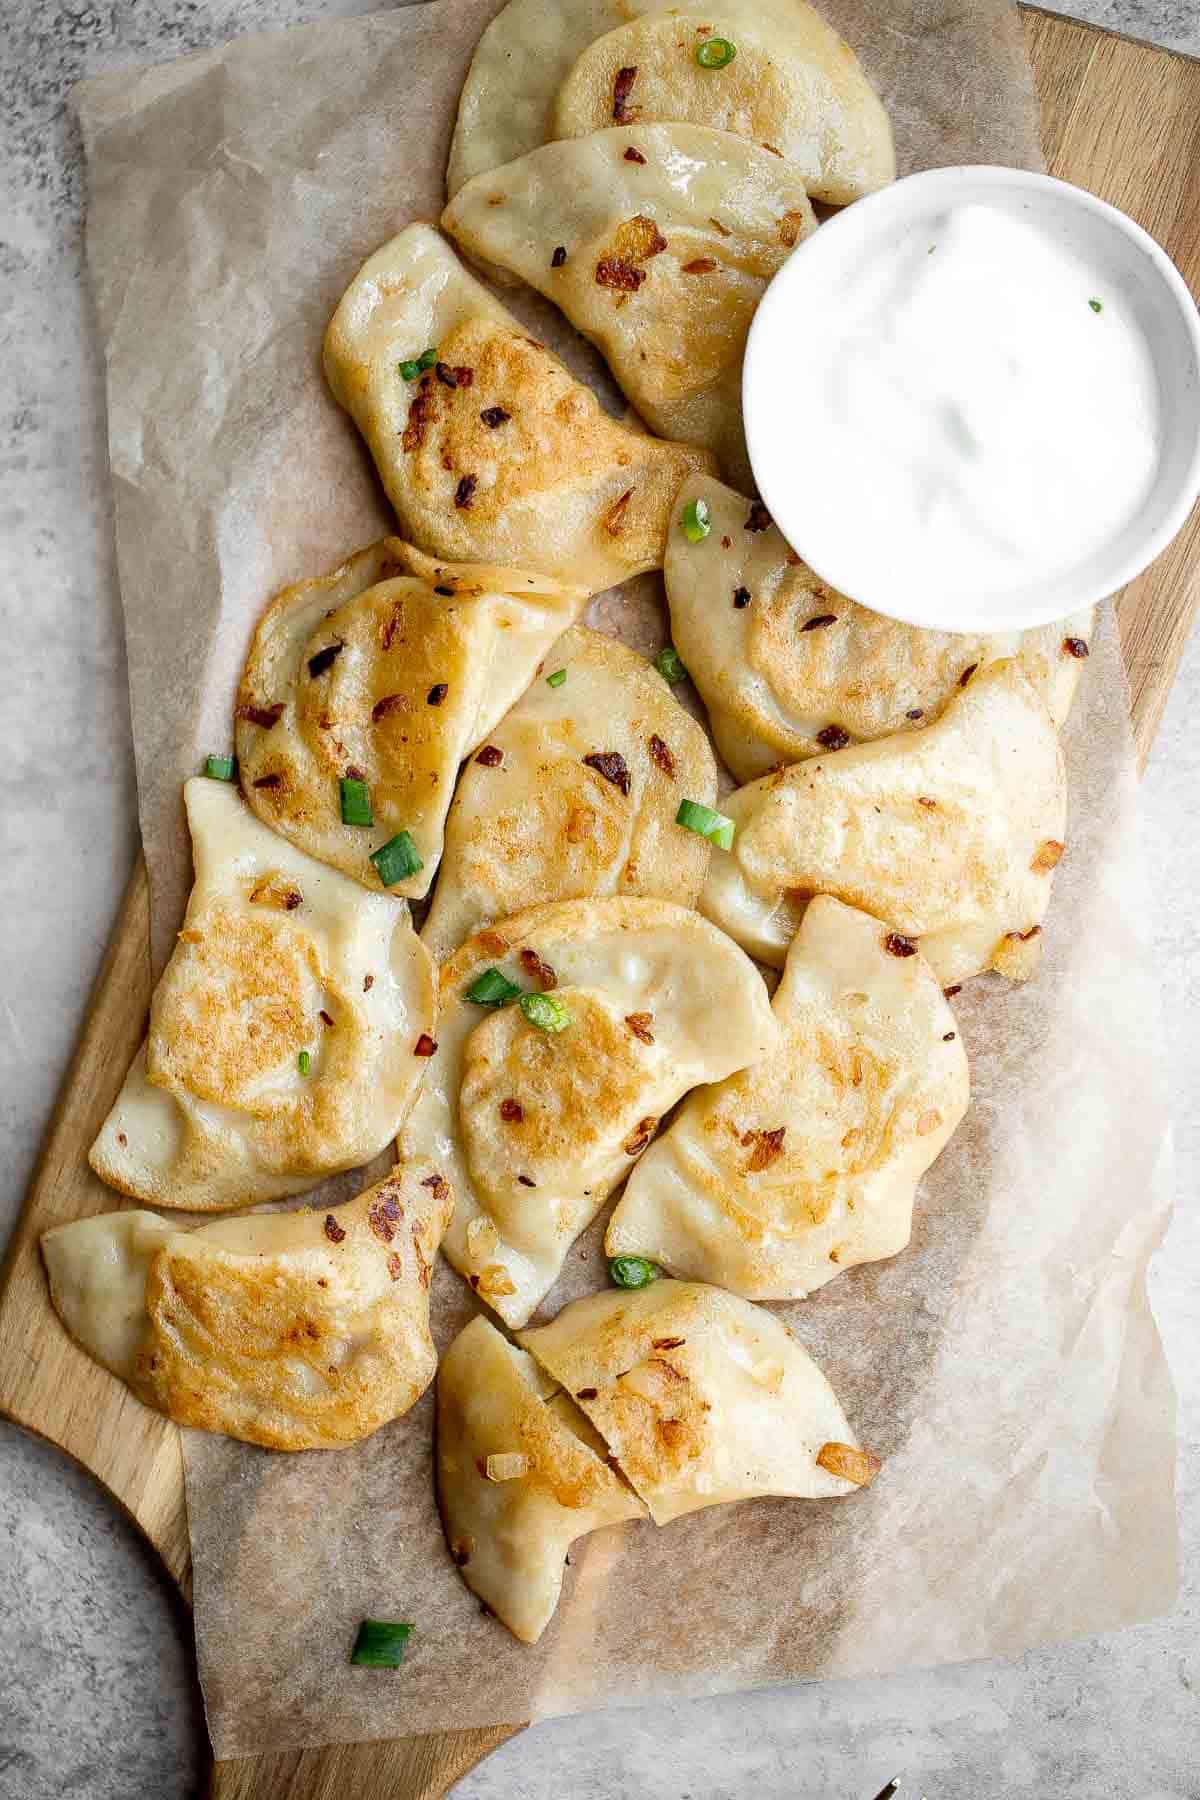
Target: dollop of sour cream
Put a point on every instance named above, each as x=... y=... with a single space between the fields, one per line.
x=976 y=411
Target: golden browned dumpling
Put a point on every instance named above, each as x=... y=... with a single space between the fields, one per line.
x=494 y=452
x=793 y=85
x=777 y=1179
x=950 y=836
x=287 y=1032
x=387 y=673
x=657 y=242
x=520 y=1475
x=590 y=1019
x=701 y=1397
x=780 y=658
x=581 y=799
x=300 y=1331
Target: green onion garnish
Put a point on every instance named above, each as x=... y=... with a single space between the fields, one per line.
x=304 y=1062
x=397 y=859
x=670 y=665
x=706 y=823
x=696 y=521
x=492 y=989
x=716 y=53
x=546 y=1011
x=557 y=679
x=356 y=802
x=417 y=365
x=1096 y=305
x=220 y=768
x=632 y=1271
x=380 y=1643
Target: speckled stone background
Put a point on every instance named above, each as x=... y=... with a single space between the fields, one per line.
x=97 y=1696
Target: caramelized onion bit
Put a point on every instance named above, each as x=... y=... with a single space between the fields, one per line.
x=849 y=1463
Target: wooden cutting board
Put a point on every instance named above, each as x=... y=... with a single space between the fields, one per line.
x=1117 y=117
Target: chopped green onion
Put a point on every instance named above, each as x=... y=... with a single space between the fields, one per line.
x=632 y=1271
x=356 y=802
x=546 y=1011
x=706 y=823
x=696 y=521
x=670 y=665
x=416 y=365
x=492 y=989
x=380 y=1643
x=304 y=1062
x=557 y=679
x=1096 y=305
x=220 y=768
x=397 y=859
x=716 y=53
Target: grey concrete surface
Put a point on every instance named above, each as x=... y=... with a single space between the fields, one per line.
x=97 y=1697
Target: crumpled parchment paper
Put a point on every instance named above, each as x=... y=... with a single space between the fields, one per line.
x=1006 y=1366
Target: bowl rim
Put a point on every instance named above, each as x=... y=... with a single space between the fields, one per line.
x=1070 y=593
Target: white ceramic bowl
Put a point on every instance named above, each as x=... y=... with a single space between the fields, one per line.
x=1129 y=263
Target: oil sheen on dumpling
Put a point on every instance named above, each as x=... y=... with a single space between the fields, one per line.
x=520 y=1475
x=701 y=1397
x=496 y=454
x=535 y=1128
x=780 y=658
x=777 y=1179
x=582 y=799
x=283 y=1030
x=950 y=836
x=300 y=1331
x=793 y=85
x=657 y=242
x=389 y=670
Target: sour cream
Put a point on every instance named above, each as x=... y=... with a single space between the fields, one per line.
x=961 y=414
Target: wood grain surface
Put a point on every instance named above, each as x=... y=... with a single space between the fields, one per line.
x=1119 y=118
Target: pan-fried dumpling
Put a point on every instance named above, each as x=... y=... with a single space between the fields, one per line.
x=533 y=1124
x=949 y=835
x=657 y=242
x=300 y=1331
x=582 y=799
x=793 y=85
x=701 y=1397
x=286 y=1035
x=520 y=1476
x=388 y=671
x=774 y=1181
x=780 y=658
x=496 y=453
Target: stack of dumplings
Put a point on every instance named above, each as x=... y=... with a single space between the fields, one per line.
x=579 y=1020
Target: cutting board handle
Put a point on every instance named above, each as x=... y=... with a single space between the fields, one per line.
x=415 y=1768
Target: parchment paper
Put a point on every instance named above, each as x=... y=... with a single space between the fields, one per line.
x=1006 y=1366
